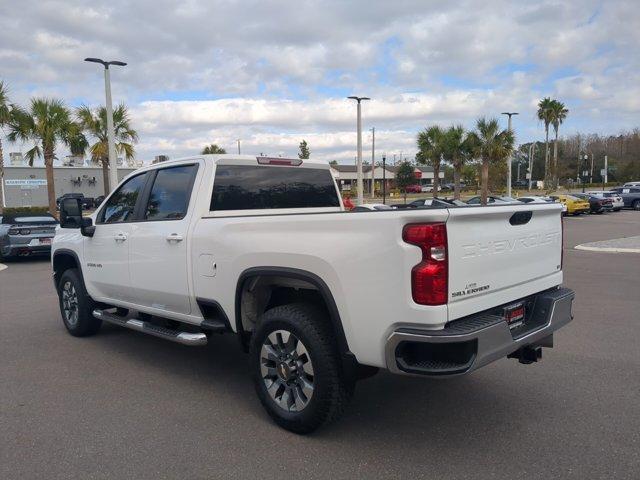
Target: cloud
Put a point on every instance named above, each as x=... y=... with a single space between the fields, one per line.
x=264 y=71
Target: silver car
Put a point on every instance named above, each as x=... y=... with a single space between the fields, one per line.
x=26 y=234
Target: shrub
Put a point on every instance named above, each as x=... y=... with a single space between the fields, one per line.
x=16 y=211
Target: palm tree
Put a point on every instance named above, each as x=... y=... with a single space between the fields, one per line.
x=545 y=114
x=492 y=145
x=46 y=123
x=430 y=148
x=558 y=114
x=94 y=124
x=457 y=146
x=213 y=149
x=5 y=118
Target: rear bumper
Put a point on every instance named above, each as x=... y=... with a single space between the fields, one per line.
x=13 y=250
x=468 y=344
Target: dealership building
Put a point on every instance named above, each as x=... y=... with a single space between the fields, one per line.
x=347 y=176
x=26 y=186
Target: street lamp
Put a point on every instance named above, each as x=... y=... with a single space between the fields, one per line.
x=373 y=162
x=584 y=170
x=509 y=114
x=359 y=160
x=113 y=159
x=384 y=178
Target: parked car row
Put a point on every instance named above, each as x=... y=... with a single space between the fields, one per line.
x=597 y=202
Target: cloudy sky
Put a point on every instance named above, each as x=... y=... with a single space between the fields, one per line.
x=274 y=72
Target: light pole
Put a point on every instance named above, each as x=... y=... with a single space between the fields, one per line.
x=373 y=161
x=238 y=146
x=585 y=172
x=384 y=178
x=532 y=151
x=359 y=158
x=509 y=114
x=113 y=159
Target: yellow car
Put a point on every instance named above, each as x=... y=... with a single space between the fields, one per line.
x=575 y=205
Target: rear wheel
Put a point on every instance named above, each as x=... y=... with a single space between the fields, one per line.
x=76 y=305
x=636 y=205
x=296 y=368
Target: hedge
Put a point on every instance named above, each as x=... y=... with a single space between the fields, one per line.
x=14 y=211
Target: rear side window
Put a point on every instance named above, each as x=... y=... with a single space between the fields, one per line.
x=240 y=187
x=169 y=198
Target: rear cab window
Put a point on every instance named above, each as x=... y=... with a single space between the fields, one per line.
x=261 y=187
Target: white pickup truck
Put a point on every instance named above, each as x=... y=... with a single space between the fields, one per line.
x=262 y=248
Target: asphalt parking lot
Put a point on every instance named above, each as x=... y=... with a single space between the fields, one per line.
x=125 y=405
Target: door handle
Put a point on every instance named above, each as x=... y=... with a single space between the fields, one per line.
x=120 y=237
x=174 y=237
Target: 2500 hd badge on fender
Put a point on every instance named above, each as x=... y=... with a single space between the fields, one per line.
x=262 y=248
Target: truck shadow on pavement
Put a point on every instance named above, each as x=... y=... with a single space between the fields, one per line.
x=383 y=405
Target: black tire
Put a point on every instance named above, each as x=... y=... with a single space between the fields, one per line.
x=636 y=205
x=331 y=390
x=78 y=320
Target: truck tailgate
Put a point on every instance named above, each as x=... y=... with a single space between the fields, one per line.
x=498 y=254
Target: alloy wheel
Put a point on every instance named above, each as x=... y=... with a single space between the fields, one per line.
x=287 y=370
x=70 y=304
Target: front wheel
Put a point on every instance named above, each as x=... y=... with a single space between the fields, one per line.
x=296 y=368
x=76 y=305
x=636 y=205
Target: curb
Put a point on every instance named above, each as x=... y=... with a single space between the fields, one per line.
x=607 y=249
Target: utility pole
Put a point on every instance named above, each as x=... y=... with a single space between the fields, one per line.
x=606 y=170
x=591 y=171
x=238 y=146
x=359 y=159
x=373 y=161
x=509 y=160
x=113 y=159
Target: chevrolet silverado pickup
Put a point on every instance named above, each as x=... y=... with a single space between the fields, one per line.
x=319 y=297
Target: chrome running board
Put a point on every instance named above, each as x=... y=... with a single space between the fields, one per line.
x=184 y=338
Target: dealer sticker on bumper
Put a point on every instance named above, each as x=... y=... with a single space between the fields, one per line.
x=514 y=315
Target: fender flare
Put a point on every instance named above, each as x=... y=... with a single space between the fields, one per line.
x=298 y=274
x=65 y=252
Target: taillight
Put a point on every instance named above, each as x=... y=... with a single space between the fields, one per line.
x=429 y=278
x=293 y=162
x=19 y=231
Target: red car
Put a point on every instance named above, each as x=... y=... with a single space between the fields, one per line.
x=414 y=189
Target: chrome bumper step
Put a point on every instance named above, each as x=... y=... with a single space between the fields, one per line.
x=184 y=338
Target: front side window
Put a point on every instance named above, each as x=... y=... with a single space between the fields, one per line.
x=170 y=193
x=121 y=204
x=245 y=187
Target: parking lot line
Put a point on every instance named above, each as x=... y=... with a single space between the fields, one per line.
x=607 y=249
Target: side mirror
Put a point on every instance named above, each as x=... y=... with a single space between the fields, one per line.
x=70 y=213
x=71 y=217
